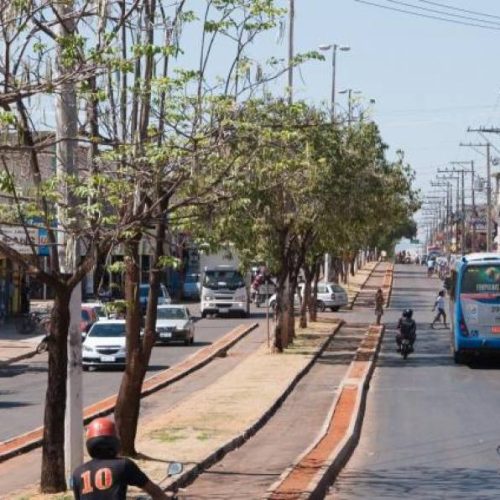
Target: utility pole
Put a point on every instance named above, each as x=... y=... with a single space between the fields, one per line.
x=464 y=171
x=66 y=133
x=291 y=52
x=489 y=208
x=457 y=197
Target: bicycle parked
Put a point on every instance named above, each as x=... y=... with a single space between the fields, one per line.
x=33 y=323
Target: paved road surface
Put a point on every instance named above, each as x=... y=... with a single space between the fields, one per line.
x=431 y=427
x=23 y=384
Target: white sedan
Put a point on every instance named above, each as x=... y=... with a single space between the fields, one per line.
x=174 y=323
x=104 y=344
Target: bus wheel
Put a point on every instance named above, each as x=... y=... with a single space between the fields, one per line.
x=458 y=357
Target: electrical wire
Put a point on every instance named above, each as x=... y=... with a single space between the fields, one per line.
x=491 y=144
x=435 y=11
x=458 y=9
x=428 y=16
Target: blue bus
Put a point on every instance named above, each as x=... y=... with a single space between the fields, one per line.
x=475 y=305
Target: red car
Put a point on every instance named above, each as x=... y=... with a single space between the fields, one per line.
x=89 y=317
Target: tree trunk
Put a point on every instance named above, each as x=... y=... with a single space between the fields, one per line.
x=280 y=341
x=313 y=309
x=53 y=474
x=128 y=402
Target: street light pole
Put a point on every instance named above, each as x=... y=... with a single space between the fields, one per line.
x=291 y=51
x=334 y=47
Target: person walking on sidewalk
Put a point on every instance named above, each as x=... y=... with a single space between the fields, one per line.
x=379 y=305
x=107 y=475
x=440 y=306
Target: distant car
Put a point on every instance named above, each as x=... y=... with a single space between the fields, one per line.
x=191 y=287
x=174 y=323
x=330 y=295
x=163 y=296
x=99 y=309
x=104 y=344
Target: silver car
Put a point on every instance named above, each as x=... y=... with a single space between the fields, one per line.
x=174 y=323
x=330 y=296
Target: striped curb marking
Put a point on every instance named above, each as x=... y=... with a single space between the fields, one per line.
x=314 y=470
x=32 y=439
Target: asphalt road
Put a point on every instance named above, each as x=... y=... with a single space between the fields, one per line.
x=23 y=384
x=431 y=427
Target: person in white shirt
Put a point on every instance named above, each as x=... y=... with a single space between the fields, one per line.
x=440 y=306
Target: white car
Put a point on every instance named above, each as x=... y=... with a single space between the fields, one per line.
x=330 y=295
x=174 y=323
x=104 y=344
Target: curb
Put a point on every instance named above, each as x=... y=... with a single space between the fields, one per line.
x=387 y=284
x=28 y=441
x=189 y=476
x=352 y=397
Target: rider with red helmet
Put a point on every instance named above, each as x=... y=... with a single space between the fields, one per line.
x=106 y=475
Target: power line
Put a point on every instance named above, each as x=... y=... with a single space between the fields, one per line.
x=458 y=9
x=435 y=11
x=428 y=16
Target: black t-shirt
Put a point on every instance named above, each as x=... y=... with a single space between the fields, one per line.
x=106 y=479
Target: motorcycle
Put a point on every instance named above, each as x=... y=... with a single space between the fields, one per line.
x=406 y=347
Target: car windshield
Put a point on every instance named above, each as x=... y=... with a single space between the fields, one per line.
x=337 y=288
x=223 y=279
x=108 y=330
x=481 y=279
x=172 y=313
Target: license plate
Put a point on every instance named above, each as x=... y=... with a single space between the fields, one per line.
x=495 y=329
x=107 y=359
x=165 y=335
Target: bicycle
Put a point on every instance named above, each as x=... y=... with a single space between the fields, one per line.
x=32 y=323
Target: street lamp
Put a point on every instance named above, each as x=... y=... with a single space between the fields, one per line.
x=349 y=93
x=334 y=47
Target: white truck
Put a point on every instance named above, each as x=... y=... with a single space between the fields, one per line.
x=224 y=289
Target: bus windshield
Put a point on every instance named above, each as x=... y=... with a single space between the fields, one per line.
x=223 y=279
x=481 y=279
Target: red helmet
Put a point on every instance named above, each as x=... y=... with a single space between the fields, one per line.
x=102 y=439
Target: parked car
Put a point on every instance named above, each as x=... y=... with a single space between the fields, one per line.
x=88 y=317
x=104 y=344
x=330 y=295
x=174 y=323
x=191 y=286
x=163 y=296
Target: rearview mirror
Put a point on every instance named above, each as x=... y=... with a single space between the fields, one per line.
x=174 y=469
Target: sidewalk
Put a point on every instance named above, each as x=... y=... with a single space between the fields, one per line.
x=15 y=346
x=206 y=424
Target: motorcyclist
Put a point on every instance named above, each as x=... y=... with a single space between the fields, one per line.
x=407 y=329
x=106 y=475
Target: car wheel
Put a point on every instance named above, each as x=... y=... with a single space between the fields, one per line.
x=187 y=341
x=85 y=368
x=320 y=306
x=203 y=314
x=192 y=340
x=335 y=308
